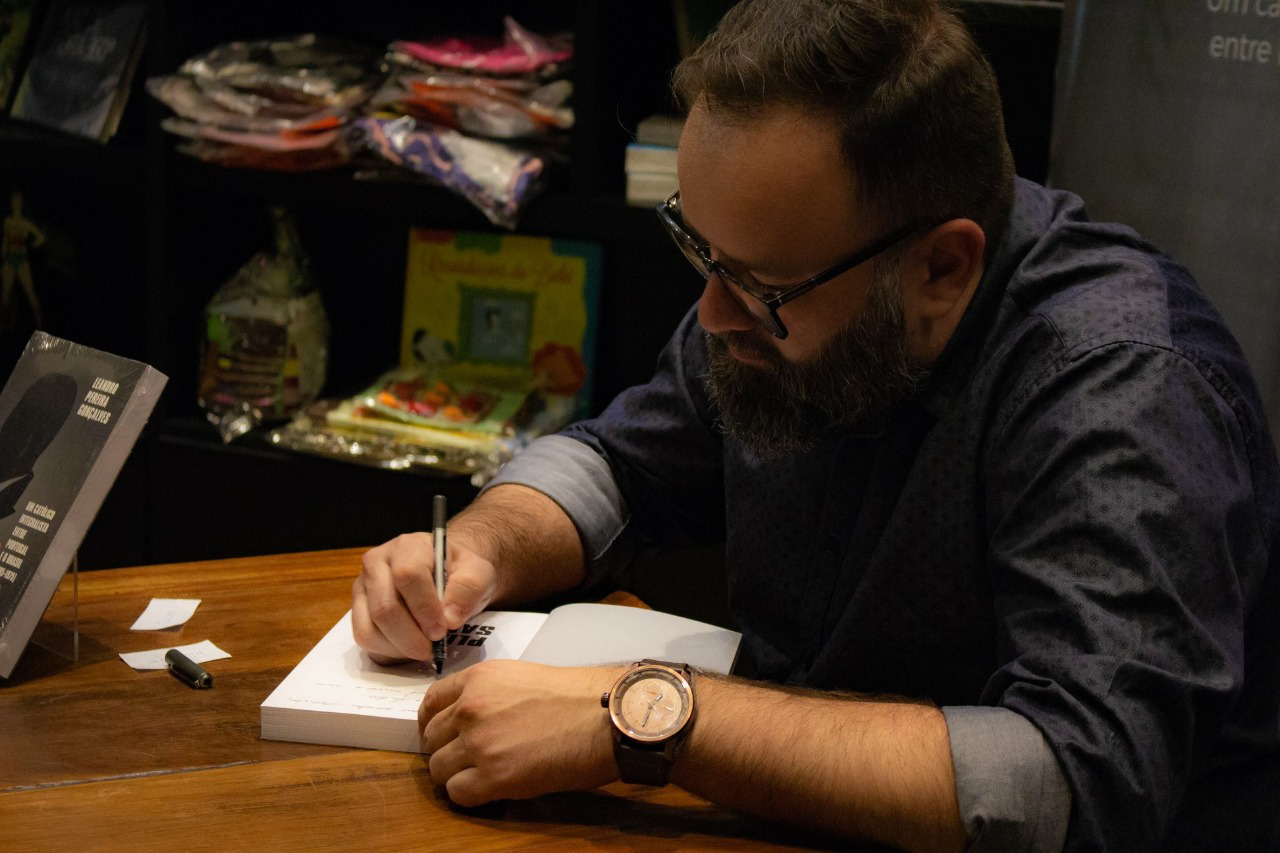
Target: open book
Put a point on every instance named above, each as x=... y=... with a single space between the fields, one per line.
x=338 y=696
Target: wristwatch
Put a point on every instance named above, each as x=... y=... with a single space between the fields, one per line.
x=651 y=708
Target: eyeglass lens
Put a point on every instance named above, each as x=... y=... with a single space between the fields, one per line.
x=696 y=253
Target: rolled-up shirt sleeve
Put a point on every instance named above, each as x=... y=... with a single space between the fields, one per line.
x=1010 y=789
x=579 y=480
x=1121 y=623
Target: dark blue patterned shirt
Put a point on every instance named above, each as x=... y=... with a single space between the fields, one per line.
x=1075 y=522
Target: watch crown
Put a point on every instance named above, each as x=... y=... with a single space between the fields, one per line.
x=604 y=699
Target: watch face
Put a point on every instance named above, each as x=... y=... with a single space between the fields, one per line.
x=651 y=703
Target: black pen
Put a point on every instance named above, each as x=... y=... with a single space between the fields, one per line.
x=188 y=670
x=438 y=512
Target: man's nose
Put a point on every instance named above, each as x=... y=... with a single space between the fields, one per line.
x=721 y=311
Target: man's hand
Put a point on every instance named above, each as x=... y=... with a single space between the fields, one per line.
x=394 y=609
x=511 y=730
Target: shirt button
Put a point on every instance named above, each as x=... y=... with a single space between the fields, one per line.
x=831 y=546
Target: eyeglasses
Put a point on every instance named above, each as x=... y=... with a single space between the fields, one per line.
x=762 y=305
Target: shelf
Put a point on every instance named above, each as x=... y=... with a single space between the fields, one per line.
x=198 y=434
x=142 y=236
x=556 y=212
x=209 y=500
x=42 y=151
x=1034 y=13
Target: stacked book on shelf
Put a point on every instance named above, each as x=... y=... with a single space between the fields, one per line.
x=79 y=70
x=651 y=160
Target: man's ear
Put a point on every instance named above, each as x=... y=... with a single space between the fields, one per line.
x=942 y=272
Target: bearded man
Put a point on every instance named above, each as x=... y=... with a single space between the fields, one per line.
x=994 y=483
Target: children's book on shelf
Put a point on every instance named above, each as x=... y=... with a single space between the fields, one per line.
x=497 y=340
x=337 y=695
x=69 y=416
x=16 y=19
x=411 y=406
x=82 y=66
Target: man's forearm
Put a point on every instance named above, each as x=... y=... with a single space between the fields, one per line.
x=870 y=769
x=531 y=542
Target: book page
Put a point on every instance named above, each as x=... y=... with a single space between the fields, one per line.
x=594 y=634
x=337 y=676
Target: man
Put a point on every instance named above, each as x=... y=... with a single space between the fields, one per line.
x=996 y=491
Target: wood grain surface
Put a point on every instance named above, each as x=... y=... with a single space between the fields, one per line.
x=94 y=755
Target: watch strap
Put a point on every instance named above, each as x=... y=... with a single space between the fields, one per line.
x=641 y=763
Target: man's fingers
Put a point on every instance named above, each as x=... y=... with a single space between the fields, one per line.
x=413 y=575
x=446 y=761
x=367 y=634
x=440 y=695
x=448 y=755
x=396 y=613
x=387 y=610
x=468 y=788
x=470 y=587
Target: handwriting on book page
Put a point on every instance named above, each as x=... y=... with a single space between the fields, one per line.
x=367 y=698
x=339 y=677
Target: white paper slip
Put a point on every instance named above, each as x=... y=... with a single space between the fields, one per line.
x=201 y=652
x=164 y=613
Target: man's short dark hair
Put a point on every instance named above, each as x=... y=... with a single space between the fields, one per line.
x=915 y=99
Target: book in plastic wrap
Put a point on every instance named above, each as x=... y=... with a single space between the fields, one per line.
x=69 y=416
x=82 y=66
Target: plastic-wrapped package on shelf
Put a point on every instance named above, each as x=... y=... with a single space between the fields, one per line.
x=483 y=106
x=485 y=118
x=429 y=109
x=498 y=179
x=271 y=104
x=521 y=52
x=512 y=89
x=418 y=418
x=315 y=432
x=266 y=339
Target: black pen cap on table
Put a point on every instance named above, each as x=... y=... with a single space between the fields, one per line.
x=190 y=672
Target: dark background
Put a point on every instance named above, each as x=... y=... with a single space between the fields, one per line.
x=140 y=238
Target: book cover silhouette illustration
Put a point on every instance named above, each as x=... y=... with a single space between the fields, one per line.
x=69 y=416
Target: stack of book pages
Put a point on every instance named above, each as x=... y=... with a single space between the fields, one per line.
x=651 y=160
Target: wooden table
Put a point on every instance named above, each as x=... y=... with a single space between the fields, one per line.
x=94 y=755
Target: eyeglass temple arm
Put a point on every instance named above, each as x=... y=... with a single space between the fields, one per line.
x=775 y=302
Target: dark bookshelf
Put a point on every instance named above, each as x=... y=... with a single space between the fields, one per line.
x=156 y=233
x=1045 y=14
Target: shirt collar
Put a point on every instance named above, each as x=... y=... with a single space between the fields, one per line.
x=1032 y=213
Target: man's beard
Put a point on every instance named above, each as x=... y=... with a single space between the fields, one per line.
x=855 y=380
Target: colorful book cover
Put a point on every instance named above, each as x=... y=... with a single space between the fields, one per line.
x=82 y=66
x=496 y=315
x=69 y=416
x=15 y=25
